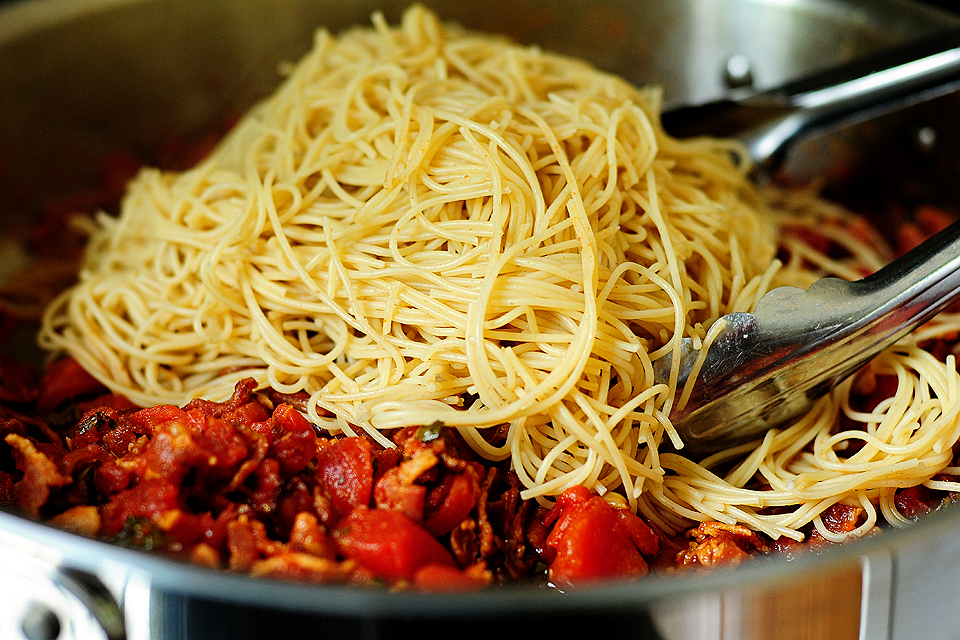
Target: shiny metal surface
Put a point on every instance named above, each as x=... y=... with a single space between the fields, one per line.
x=769 y=122
x=767 y=367
x=156 y=67
x=81 y=77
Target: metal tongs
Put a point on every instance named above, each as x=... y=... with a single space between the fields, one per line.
x=766 y=367
x=769 y=122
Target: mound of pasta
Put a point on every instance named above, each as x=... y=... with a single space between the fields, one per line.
x=428 y=225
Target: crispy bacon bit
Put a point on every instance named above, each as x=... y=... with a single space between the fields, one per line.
x=916 y=502
x=307 y=536
x=838 y=519
x=204 y=555
x=396 y=490
x=507 y=522
x=841 y=518
x=303 y=567
x=40 y=475
x=716 y=544
x=83 y=520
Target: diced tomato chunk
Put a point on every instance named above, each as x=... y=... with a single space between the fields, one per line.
x=297 y=444
x=65 y=380
x=443 y=577
x=933 y=219
x=595 y=541
x=388 y=543
x=457 y=504
x=247 y=414
x=110 y=400
x=152 y=417
x=391 y=492
x=345 y=470
x=146 y=500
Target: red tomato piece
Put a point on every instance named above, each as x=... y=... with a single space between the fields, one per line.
x=345 y=471
x=152 y=417
x=247 y=414
x=443 y=577
x=595 y=541
x=147 y=500
x=639 y=531
x=65 y=380
x=111 y=477
x=297 y=443
x=457 y=504
x=933 y=219
x=194 y=441
x=388 y=543
x=110 y=400
x=391 y=492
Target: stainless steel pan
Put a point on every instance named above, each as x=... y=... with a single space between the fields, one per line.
x=78 y=77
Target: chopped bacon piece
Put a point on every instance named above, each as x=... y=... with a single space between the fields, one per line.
x=193 y=441
x=841 y=518
x=717 y=544
x=266 y=481
x=40 y=475
x=83 y=520
x=394 y=492
x=241 y=398
x=247 y=542
x=916 y=502
x=204 y=555
x=307 y=536
x=296 y=445
x=302 y=567
x=502 y=517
